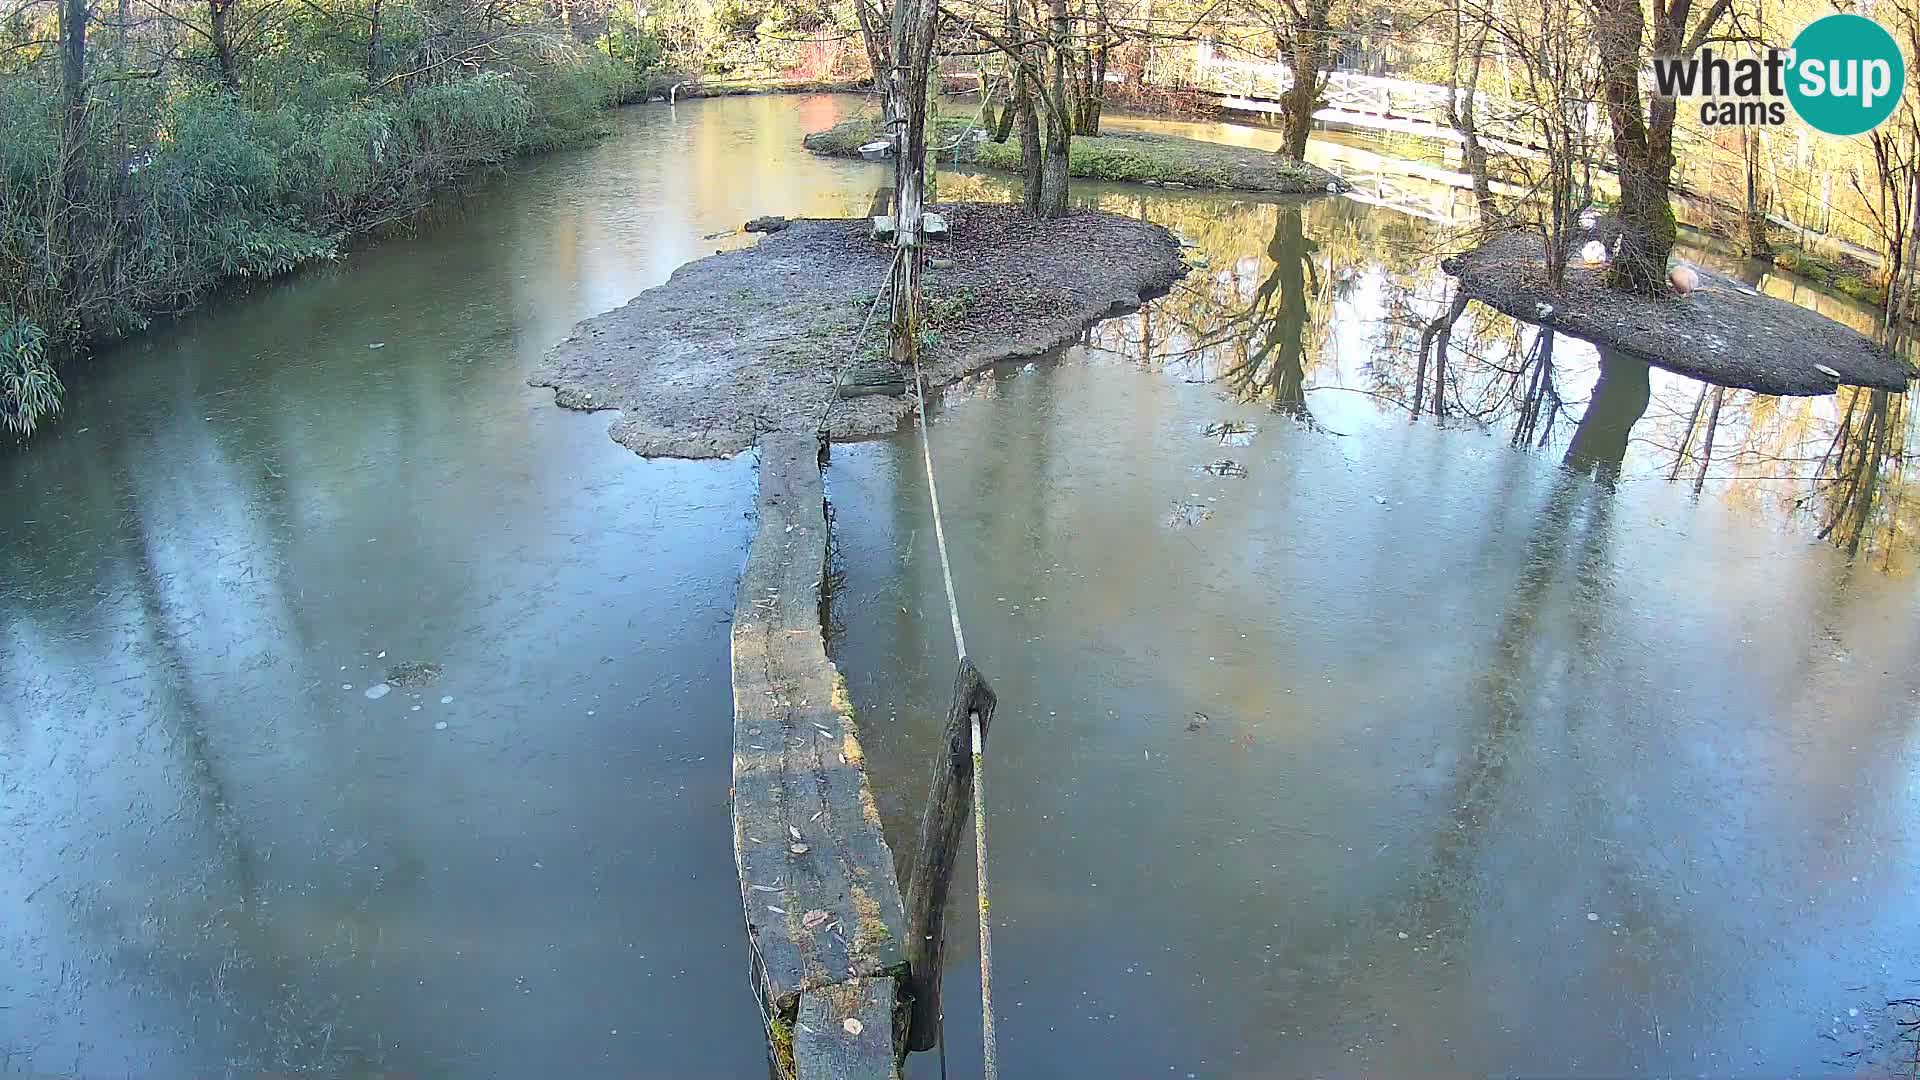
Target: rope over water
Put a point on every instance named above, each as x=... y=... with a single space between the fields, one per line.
x=990 y=1047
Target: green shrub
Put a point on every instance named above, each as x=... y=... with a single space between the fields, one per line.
x=182 y=183
x=29 y=389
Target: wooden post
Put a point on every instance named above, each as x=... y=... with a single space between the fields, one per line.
x=914 y=23
x=949 y=807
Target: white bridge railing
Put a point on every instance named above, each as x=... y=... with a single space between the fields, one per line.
x=1372 y=101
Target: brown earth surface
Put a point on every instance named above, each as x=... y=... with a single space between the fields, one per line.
x=1726 y=332
x=747 y=342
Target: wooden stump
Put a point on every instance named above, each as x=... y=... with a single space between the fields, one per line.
x=949 y=807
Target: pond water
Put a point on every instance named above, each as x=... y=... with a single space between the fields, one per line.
x=1634 y=772
x=222 y=853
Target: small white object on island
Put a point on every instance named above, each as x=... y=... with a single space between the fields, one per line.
x=1683 y=278
x=1593 y=253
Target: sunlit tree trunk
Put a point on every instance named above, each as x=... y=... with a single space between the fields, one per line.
x=1059 y=133
x=1643 y=134
x=1311 y=48
x=914 y=25
x=1753 y=218
x=1469 y=46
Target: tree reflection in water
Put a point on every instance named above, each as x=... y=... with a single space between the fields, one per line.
x=1290 y=301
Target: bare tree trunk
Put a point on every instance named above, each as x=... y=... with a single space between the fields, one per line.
x=1009 y=112
x=1032 y=163
x=1059 y=134
x=373 y=42
x=1016 y=86
x=1753 y=219
x=879 y=59
x=73 y=137
x=1026 y=89
x=1461 y=109
x=895 y=102
x=1643 y=138
x=218 y=14
x=1090 y=95
x=914 y=25
x=1311 y=49
x=1095 y=104
x=1900 y=268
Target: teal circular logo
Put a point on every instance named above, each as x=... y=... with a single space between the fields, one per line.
x=1846 y=74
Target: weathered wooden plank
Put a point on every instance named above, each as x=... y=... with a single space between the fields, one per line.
x=816 y=876
x=827 y=1047
x=949 y=808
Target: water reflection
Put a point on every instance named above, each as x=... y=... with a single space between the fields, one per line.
x=224 y=856
x=1463 y=708
x=1598 y=447
x=1323 y=319
x=1276 y=331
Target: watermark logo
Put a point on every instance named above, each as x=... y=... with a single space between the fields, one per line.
x=1843 y=75
x=1849 y=74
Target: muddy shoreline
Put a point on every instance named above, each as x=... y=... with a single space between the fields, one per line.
x=740 y=344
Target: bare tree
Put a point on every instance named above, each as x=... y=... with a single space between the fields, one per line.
x=1303 y=31
x=1643 y=132
x=1470 y=33
x=914 y=25
x=73 y=133
x=1552 y=106
x=1894 y=204
x=1039 y=61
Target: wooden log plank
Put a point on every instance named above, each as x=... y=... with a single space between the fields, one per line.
x=817 y=883
x=827 y=1047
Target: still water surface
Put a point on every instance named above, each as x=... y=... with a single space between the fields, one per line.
x=1634 y=774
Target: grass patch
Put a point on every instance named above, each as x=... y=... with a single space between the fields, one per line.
x=1845 y=276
